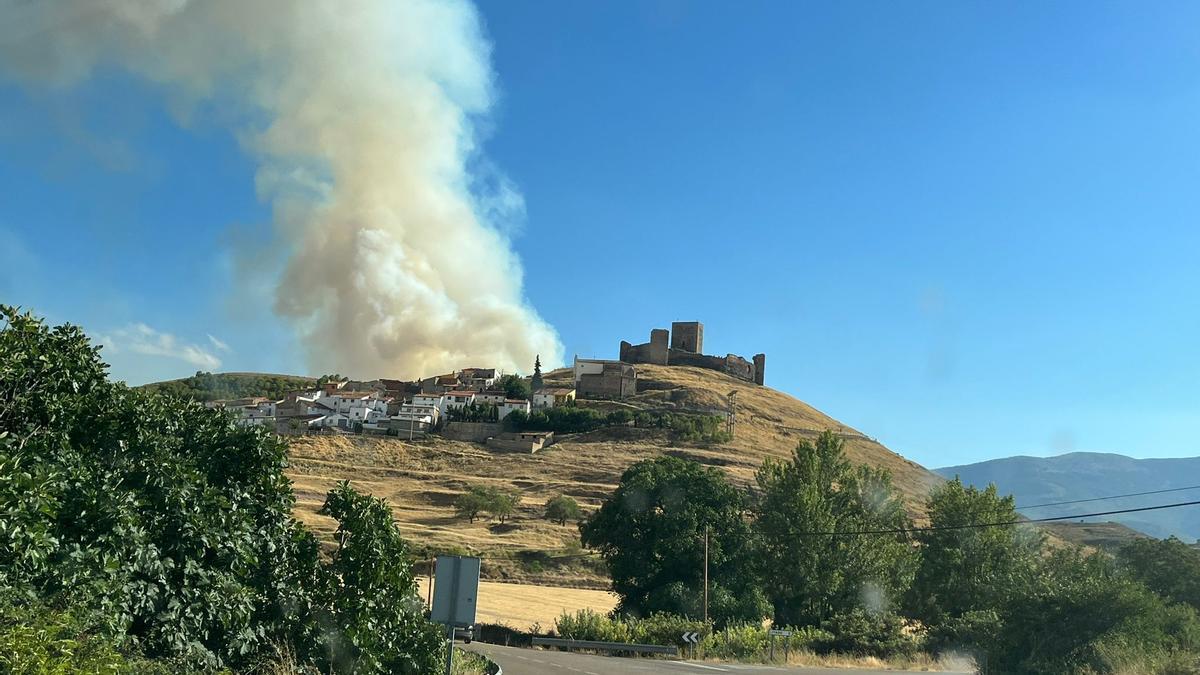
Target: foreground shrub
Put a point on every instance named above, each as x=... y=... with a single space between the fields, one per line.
x=864 y=633
x=752 y=642
x=169 y=526
x=1081 y=615
x=38 y=639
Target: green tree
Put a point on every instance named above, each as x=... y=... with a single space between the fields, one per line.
x=502 y=504
x=1168 y=567
x=169 y=520
x=514 y=386
x=651 y=534
x=535 y=383
x=471 y=503
x=964 y=568
x=562 y=508
x=811 y=575
x=169 y=526
x=370 y=593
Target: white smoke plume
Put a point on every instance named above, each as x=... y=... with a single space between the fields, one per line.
x=362 y=117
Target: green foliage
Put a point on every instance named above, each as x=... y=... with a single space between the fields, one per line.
x=1168 y=567
x=471 y=503
x=213 y=387
x=38 y=639
x=562 y=508
x=659 y=628
x=696 y=428
x=964 y=633
x=503 y=505
x=863 y=633
x=169 y=527
x=514 y=386
x=752 y=642
x=167 y=517
x=369 y=592
x=650 y=533
x=479 y=499
x=812 y=578
x=475 y=412
x=970 y=568
x=1080 y=614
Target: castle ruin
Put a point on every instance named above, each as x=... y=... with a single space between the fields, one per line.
x=684 y=346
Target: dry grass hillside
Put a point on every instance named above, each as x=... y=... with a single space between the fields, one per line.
x=421 y=479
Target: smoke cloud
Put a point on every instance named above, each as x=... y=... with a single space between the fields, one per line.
x=362 y=117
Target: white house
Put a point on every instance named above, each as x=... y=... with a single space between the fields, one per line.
x=490 y=397
x=343 y=401
x=417 y=417
x=437 y=401
x=367 y=412
x=550 y=398
x=503 y=409
x=457 y=400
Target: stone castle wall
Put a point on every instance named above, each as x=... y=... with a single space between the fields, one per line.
x=685 y=344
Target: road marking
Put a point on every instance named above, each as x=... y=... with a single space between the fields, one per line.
x=699 y=665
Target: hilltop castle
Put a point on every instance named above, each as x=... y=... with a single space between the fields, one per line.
x=684 y=346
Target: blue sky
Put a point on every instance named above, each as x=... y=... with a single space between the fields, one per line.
x=969 y=230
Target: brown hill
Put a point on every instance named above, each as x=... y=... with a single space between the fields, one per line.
x=421 y=479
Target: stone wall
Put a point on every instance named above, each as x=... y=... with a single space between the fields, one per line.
x=617 y=381
x=683 y=346
x=472 y=432
x=518 y=442
x=654 y=351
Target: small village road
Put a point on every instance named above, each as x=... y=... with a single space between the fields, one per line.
x=518 y=661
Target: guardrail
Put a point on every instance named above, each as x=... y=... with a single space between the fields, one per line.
x=605 y=646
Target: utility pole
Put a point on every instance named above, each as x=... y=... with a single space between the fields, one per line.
x=731 y=418
x=706 y=575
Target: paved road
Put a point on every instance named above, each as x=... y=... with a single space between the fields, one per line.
x=517 y=661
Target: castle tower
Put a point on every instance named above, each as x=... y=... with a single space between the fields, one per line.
x=687 y=336
x=760 y=364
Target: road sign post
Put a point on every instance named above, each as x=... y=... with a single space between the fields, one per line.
x=690 y=640
x=785 y=634
x=456 y=588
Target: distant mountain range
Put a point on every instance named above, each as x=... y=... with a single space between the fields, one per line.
x=1086 y=475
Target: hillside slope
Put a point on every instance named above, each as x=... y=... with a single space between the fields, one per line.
x=1085 y=475
x=422 y=479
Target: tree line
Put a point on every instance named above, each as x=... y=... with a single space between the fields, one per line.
x=820 y=543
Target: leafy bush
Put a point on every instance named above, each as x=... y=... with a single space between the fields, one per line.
x=571 y=420
x=752 y=642
x=1168 y=567
x=965 y=633
x=562 y=508
x=1082 y=615
x=659 y=629
x=169 y=527
x=38 y=639
x=864 y=633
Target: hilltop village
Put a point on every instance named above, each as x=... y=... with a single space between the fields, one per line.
x=471 y=404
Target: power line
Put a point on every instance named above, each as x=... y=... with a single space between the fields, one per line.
x=1101 y=499
x=971 y=526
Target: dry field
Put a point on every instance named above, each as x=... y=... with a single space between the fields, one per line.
x=521 y=606
x=421 y=479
